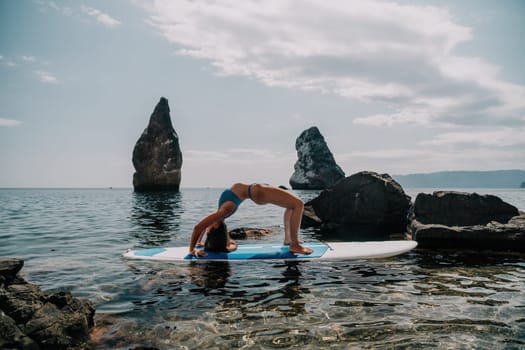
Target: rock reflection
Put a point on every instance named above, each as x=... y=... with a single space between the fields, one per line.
x=155 y=216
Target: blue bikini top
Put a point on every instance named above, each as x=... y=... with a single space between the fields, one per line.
x=229 y=196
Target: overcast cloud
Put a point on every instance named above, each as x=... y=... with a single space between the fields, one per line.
x=375 y=51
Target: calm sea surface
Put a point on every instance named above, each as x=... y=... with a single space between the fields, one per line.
x=72 y=239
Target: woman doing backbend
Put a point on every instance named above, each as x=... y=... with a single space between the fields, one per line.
x=230 y=200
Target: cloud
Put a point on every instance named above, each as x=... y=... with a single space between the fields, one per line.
x=100 y=16
x=402 y=56
x=404 y=116
x=502 y=137
x=237 y=155
x=413 y=160
x=9 y=122
x=46 y=77
x=9 y=64
x=23 y=59
x=64 y=10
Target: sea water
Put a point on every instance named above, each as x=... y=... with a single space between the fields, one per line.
x=72 y=239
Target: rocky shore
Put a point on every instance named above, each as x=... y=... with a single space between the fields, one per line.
x=371 y=206
x=33 y=319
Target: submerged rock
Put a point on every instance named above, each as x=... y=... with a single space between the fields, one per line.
x=157 y=157
x=365 y=205
x=458 y=220
x=315 y=167
x=33 y=319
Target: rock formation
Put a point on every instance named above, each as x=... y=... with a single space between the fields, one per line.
x=461 y=209
x=365 y=205
x=157 y=157
x=315 y=167
x=33 y=319
x=458 y=220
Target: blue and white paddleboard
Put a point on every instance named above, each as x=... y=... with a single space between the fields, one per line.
x=275 y=251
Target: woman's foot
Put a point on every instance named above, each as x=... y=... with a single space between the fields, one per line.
x=300 y=250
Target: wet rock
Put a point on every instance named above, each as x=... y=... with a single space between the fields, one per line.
x=9 y=268
x=365 y=205
x=33 y=319
x=20 y=300
x=157 y=157
x=461 y=209
x=315 y=167
x=11 y=337
x=251 y=233
x=458 y=220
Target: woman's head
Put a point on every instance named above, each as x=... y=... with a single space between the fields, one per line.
x=217 y=238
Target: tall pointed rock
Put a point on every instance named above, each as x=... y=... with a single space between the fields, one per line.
x=157 y=157
x=315 y=167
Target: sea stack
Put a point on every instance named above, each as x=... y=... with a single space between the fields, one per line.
x=157 y=157
x=315 y=167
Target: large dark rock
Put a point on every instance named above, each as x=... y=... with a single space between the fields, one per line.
x=33 y=319
x=315 y=167
x=457 y=220
x=461 y=209
x=365 y=205
x=157 y=157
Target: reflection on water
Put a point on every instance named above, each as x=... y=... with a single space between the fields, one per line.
x=209 y=276
x=156 y=216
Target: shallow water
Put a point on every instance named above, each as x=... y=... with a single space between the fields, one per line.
x=72 y=239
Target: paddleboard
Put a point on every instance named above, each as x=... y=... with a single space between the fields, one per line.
x=275 y=251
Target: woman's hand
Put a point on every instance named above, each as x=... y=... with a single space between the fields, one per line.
x=232 y=245
x=198 y=253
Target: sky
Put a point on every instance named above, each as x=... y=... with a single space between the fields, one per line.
x=394 y=87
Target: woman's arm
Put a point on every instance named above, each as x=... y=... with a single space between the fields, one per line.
x=200 y=228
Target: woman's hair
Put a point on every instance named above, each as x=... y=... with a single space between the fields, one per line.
x=217 y=239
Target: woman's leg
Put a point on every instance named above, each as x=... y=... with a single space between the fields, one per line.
x=294 y=206
x=287 y=223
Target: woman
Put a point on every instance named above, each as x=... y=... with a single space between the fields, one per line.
x=230 y=200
